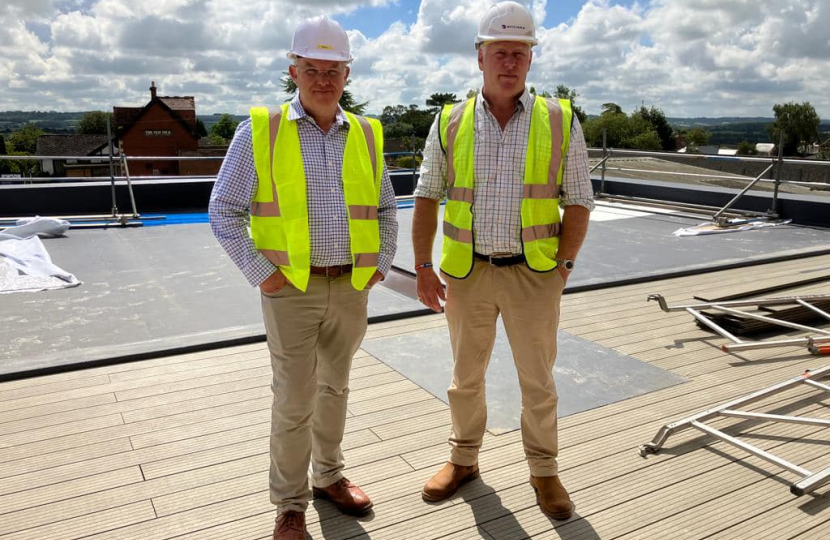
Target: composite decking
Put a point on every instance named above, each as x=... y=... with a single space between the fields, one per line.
x=177 y=447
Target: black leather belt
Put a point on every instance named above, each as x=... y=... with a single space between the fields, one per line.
x=501 y=260
x=331 y=271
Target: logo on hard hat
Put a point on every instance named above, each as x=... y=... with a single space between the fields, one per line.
x=324 y=46
x=506 y=26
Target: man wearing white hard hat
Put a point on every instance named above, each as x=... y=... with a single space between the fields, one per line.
x=506 y=161
x=304 y=206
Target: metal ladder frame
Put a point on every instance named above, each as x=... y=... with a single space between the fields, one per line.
x=809 y=480
x=816 y=343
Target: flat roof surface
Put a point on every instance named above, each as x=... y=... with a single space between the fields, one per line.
x=176 y=447
x=163 y=288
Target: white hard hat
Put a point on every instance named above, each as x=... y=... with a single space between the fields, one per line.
x=320 y=38
x=507 y=21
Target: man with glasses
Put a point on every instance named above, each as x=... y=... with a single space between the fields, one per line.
x=505 y=160
x=309 y=180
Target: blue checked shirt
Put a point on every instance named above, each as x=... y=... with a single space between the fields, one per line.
x=328 y=223
x=499 y=162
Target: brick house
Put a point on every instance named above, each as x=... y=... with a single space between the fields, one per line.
x=75 y=145
x=166 y=126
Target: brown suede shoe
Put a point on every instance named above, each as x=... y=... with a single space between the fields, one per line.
x=347 y=497
x=290 y=526
x=552 y=497
x=447 y=481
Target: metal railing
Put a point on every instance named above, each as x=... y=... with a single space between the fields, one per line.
x=775 y=165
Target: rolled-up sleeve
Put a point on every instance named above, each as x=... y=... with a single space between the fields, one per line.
x=388 y=224
x=576 y=182
x=432 y=183
x=230 y=204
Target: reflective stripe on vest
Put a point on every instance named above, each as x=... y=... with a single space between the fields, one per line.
x=279 y=211
x=548 y=140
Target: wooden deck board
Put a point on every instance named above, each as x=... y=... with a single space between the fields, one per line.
x=177 y=447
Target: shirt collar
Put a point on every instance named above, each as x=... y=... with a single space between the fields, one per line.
x=297 y=112
x=524 y=103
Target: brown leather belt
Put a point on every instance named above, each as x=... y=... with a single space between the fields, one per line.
x=331 y=271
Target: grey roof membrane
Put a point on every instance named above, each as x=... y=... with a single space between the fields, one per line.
x=153 y=289
x=587 y=375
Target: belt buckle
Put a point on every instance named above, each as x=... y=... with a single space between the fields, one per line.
x=335 y=271
x=499 y=255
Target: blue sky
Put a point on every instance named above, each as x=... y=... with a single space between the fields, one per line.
x=689 y=58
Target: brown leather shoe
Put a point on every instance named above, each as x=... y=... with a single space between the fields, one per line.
x=347 y=497
x=447 y=481
x=290 y=526
x=552 y=497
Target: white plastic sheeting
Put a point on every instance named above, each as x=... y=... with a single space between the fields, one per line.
x=25 y=265
x=709 y=227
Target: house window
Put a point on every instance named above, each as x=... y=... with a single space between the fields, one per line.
x=158 y=133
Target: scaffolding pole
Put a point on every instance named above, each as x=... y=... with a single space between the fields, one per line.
x=809 y=480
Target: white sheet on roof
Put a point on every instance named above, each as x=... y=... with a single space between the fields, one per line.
x=25 y=265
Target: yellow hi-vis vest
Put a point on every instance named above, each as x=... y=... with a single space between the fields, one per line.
x=547 y=146
x=279 y=211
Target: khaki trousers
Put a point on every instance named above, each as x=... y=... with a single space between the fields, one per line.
x=528 y=303
x=312 y=338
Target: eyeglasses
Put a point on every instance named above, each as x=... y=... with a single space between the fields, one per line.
x=330 y=74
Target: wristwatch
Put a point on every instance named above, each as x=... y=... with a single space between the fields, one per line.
x=567 y=264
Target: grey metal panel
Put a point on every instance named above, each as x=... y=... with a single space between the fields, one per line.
x=587 y=375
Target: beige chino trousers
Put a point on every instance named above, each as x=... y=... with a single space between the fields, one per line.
x=312 y=338
x=528 y=303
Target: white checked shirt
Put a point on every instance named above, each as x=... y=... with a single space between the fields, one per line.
x=328 y=222
x=499 y=162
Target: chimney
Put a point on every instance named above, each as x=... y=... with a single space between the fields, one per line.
x=153 y=90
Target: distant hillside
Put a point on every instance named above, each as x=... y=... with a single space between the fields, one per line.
x=705 y=122
x=726 y=130
x=65 y=122
x=211 y=119
x=731 y=131
x=51 y=121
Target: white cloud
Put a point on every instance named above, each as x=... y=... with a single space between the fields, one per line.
x=707 y=57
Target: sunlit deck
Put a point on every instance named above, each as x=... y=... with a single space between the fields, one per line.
x=176 y=447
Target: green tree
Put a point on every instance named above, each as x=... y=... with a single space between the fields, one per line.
x=696 y=137
x=217 y=140
x=634 y=131
x=611 y=108
x=347 y=100
x=4 y=165
x=640 y=134
x=745 y=148
x=563 y=92
x=544 y=93
x=646 y=140
x=799 y=123
x=439 y=100
x=224 y=128
x=201 y=130
x=409 y=123
x=665 y=133
x=616 y=125
x=24 y=140
x=24 y=167
x=94 y=123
